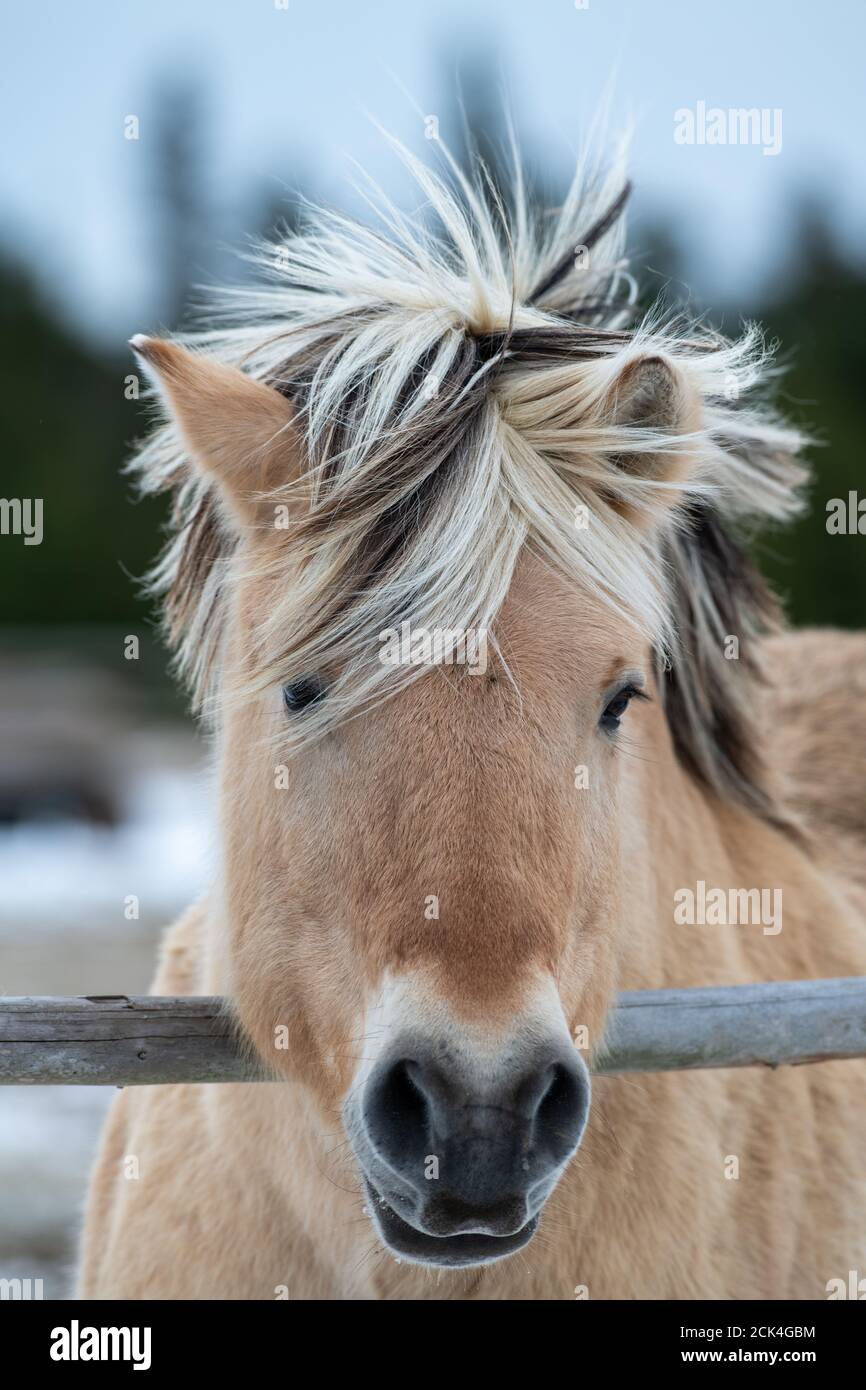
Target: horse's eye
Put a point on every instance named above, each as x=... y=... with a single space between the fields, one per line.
x=616 y=708
x=303 y=693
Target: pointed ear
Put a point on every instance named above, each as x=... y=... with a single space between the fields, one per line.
x=238 y=430
x=652 y=396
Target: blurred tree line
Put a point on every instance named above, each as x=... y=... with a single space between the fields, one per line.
x=67 y=424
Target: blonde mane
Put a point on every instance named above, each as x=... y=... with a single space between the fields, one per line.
x=452 y=375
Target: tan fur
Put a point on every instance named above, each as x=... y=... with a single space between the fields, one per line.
x=245 y=1189
x=456 y=507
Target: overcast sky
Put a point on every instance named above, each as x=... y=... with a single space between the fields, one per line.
x=285 y=82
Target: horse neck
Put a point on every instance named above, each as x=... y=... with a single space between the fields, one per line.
x=678 y=834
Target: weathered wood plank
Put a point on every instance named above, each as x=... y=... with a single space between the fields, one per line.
x=139 y=1040
x=782 y=1024
x=119 y=1041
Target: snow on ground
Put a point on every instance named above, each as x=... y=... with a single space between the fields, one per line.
x=64 y=890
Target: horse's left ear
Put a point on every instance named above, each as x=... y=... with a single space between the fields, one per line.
x=652 y=398
x=236 y=429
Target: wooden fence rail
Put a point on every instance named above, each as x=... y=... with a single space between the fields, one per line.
x=142 y=1041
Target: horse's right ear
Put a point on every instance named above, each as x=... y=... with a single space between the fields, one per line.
x=236 y=429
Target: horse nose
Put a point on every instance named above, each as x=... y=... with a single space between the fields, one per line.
x=469 y=1152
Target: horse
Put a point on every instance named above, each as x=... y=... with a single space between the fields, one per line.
x=435 y=873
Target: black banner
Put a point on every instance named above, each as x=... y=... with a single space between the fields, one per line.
x=80 y=1339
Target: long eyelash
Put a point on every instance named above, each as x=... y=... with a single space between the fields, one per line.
x=634 y=692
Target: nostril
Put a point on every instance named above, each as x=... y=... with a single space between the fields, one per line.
x=406 y=1095
x=561 y=1110
x=557 y=1094
x=398 y=1112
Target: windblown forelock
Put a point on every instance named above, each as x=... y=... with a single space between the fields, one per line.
x=451 y=397
x=426 y=523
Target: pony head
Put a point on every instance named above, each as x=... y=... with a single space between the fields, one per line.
x=451 y=575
